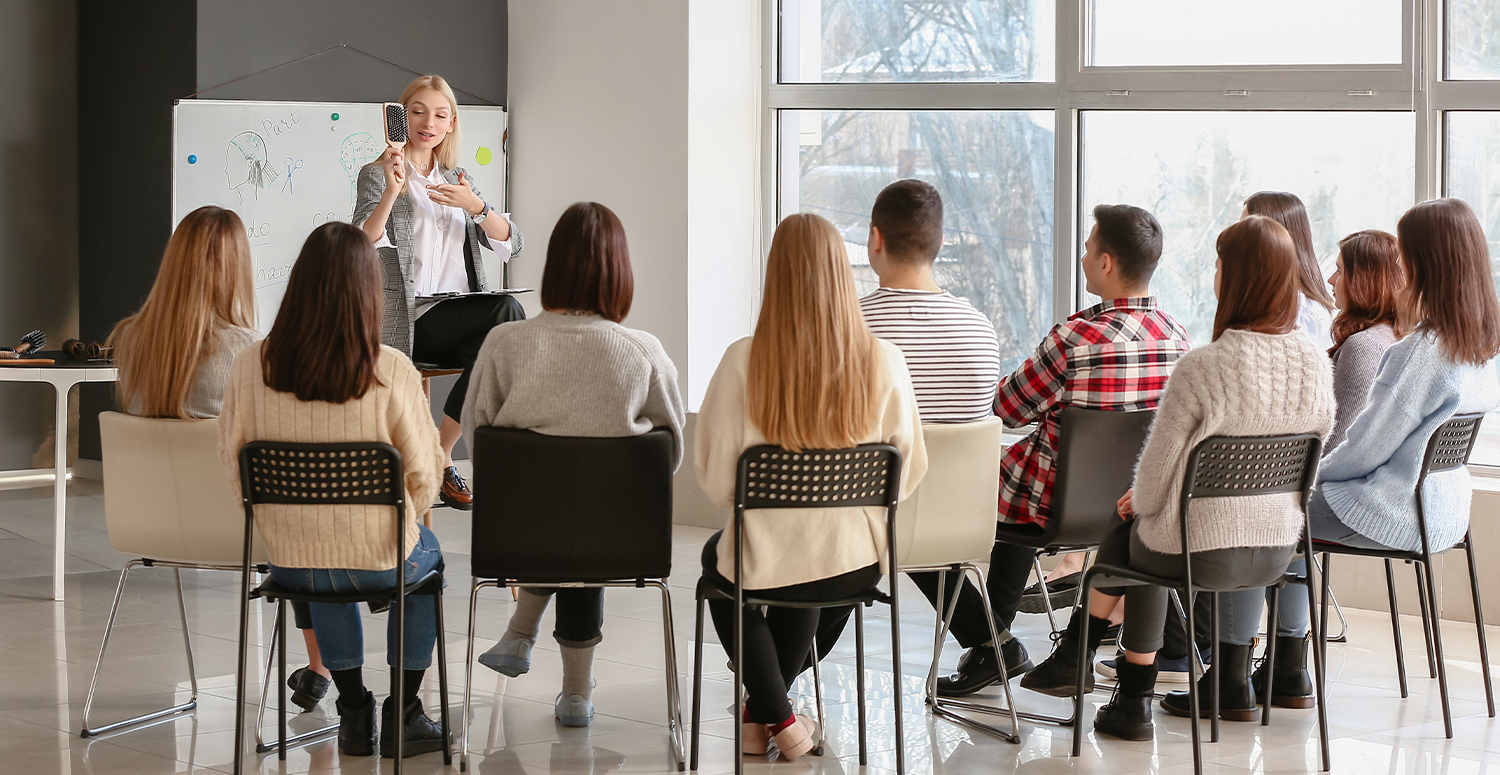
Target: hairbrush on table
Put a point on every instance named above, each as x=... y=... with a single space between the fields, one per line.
x=31 y=344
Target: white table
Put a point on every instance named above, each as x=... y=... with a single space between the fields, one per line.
x=62 y=376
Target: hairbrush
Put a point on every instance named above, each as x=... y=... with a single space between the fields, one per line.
x=397 y=131
x=79 y=349
x=31 y=343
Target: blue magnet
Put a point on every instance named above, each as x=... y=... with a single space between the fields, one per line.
x=192 y=158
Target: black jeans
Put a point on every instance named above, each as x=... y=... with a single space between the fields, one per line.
x=451 y=332
x=1010 y=567
x=777 y=643
x=580 y=615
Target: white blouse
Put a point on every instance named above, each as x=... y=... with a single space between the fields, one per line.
x=1316 y=321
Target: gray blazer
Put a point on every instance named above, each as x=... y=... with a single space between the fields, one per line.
x=400 y=289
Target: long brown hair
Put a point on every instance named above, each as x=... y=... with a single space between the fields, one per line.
x=325 y=343
x=814 y=366
x=1372 y=279
x=1287 y=209
x=1449 y=290
x=1257 y=284
x=203 y=286
x=588 y=263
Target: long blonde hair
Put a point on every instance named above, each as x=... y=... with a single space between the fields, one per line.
x=444 y=154
x=814 y=365
x=203 y=285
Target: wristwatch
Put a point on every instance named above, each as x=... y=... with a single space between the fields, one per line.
x=483 y=213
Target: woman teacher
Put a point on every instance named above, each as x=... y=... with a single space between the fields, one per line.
x=428 y=220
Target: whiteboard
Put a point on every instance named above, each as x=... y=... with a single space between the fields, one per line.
x=288 y=167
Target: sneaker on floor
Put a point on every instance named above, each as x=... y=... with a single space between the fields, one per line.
x=419 y=733
x=755 y=739
x=1062 y=591
x=1172 y=671
x=508 y=657
x=573 y=711
x=797 y=739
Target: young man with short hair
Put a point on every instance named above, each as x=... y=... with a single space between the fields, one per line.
x=1115 y=355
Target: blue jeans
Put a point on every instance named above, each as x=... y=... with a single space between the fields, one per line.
x=1292 y=616
x=340 y=633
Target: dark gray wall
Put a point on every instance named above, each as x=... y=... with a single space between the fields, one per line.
x=139 y=57
x=38 y=203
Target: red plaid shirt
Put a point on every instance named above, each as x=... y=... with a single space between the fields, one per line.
x=1115 y=355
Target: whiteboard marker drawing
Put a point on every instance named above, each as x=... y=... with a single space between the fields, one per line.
x=246 y=162
x=355 y=152
x=286 y=186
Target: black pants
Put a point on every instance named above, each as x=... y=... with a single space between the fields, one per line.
x=579 y=621
x=451 y=332
x=1010 y=567
x=777 y=643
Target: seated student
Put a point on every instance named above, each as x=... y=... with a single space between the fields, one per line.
x=1314 y=305
x=1115 y=355
x=174 y=354
x=1442 y=367
x=323 y=376
x=573 y=371
x=1366 y=288
x=1259 y=376
x=812 y=377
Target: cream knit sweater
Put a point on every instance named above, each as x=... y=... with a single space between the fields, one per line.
x=395 y=412
x=1243 y=384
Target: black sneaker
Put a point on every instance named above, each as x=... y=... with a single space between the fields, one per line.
x=1057 y=675
x=419 y=734
x=308 y=688
x=357 y=726
x=978 y=668
x=1062 y=592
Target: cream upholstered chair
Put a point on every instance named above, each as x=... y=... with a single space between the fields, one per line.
x=167 y=503
x=948 y=525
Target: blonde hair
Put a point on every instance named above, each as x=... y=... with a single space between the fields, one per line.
x=444 y=154
x=814 y=365
x=203 y=286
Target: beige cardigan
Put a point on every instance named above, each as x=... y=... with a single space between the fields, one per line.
x=795 y=546
x=394 y=411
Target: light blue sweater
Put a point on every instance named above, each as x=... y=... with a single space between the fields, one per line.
x=1369 y=480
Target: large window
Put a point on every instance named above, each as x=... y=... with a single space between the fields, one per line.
x=1027 y=113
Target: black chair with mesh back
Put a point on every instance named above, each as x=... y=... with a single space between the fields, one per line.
x=770 y=477
x=303 y=474
x=1096 y=454
x=1222 y=467
x=561 y=512
x=1448 y=449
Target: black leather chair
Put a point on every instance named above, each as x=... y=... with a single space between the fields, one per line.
x=301 y=474
x=1222 y=467
x=1448 y=449
x=558 y=511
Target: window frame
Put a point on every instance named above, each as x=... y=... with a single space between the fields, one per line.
x=1416 y=85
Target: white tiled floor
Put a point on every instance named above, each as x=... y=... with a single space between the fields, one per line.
x=47 y=651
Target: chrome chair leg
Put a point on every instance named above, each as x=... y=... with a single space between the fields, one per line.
x=463 y=758
x=945 y=707
x=1041 y=580
x=88 y=703
x=674 y=700
x=295 y=741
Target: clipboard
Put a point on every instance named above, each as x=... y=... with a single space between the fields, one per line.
x=461 y=294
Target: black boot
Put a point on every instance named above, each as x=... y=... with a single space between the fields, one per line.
x=980 y=666
x=1128 y=714
x=419 y=734
x=1291 y=686
x=1057 y=675
x=356 y=726
x=1231 y=668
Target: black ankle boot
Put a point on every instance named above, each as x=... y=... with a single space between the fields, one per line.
x=356 y=726
x=1057 y=675
x=1231 y=668
x=1128 y=713
x=419 y=734
x=1291 y=686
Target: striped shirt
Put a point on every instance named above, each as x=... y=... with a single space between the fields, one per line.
x=951 y=350
x=1115 y=355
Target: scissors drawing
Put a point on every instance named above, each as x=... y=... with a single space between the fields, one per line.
x=290 y=168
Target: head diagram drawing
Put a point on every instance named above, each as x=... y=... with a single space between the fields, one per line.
x=246 y=162
x=357 y=150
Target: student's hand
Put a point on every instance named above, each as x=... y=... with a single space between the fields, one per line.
x=393 y=164
x=1124 y=505
x=460 y=195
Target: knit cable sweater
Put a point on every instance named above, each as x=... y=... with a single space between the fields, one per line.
x=395 y=411
x=566 y=375
x=1370 y=480
x=1243 y=384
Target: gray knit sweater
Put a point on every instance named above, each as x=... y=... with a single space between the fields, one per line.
x=562 y=375
x=205 y=398
x=1243 y=384
x=1355 y=364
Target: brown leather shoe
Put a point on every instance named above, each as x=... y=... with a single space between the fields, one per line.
x=456 y=493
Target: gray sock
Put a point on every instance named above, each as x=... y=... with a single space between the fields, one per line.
x=526 y=621
x=578 y=671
